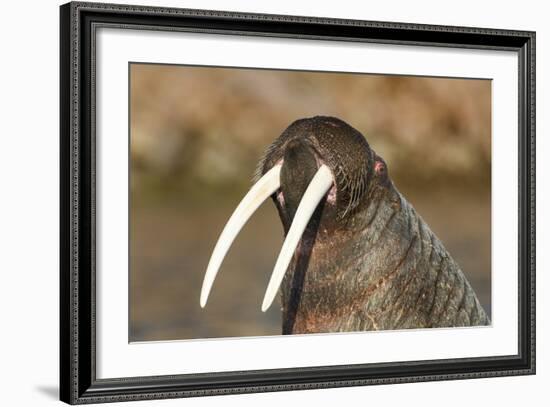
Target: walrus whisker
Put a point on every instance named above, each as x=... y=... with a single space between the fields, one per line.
x=259 y=192
x=316 y=190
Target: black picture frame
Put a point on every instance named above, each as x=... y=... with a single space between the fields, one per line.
x=78 y=382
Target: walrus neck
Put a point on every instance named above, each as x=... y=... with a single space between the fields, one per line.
x=391 y=273
x=319 y=282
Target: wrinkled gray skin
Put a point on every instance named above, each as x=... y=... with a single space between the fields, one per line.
x=367 y=260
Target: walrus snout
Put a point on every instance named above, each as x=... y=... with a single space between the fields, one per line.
x=299 y=166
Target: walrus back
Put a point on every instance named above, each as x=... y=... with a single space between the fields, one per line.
x=417 y=284
x=394 y=274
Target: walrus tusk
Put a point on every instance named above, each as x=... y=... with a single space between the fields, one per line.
x=259 y=192
x=316 y=190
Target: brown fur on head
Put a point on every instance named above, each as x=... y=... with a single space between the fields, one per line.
x=334 y=143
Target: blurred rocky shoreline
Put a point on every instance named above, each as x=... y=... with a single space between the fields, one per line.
x=196 y=126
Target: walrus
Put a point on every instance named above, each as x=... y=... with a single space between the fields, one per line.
x=356 y=255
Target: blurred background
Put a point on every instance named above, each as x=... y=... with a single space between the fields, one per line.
x=196 y=134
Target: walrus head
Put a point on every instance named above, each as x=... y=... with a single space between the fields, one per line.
x=320 y=173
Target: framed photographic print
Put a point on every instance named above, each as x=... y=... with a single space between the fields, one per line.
x=256 y=203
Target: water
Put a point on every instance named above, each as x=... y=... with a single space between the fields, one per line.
x=171 y=245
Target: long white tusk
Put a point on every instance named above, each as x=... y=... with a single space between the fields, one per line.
x=316 y=190
x=259 y=192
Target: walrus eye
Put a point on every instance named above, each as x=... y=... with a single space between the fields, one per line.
x=320 y=184
x=380 y=168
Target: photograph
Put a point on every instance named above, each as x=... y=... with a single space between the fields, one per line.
x=275 y=204
x=282 y=202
